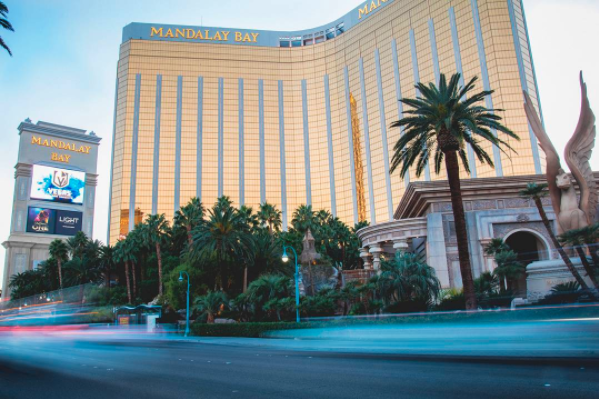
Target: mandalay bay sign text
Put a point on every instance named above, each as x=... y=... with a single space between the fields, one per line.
x=203 y=34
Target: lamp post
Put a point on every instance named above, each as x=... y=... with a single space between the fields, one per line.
x=285 y=259
x=187 y=318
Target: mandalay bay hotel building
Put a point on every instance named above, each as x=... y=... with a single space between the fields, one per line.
x=302 y=117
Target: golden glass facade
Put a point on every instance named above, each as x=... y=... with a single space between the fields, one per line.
x=247 y=115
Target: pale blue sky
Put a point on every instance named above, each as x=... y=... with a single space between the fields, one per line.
x=65 y=54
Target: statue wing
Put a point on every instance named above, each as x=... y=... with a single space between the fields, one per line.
x=551 y=155
x=578 y=152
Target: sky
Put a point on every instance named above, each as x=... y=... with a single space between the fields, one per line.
x=65 y=53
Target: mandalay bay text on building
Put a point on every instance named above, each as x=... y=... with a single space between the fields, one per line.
x=303 y=117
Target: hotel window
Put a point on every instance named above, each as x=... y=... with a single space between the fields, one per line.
x=284 y=43
x=330 y=33
x=296 y=42
x=340 y=28
x=308 y=40
x=319 y=36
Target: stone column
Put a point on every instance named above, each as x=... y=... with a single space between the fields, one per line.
x=365 y=255
x=375 y=251
x=400 y=245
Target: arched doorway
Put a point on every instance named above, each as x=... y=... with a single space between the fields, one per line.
x=530 y=247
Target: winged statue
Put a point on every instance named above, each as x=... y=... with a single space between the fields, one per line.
x=572 y=213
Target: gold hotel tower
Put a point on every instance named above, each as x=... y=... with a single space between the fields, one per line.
x=303 y=117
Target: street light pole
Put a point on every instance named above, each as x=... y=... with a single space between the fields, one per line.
x=187 y=318
x=285 y=258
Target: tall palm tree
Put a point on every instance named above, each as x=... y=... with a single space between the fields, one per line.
x=6 y=25
x=303 y=218
x=155 y=229
x=222 y=238
x=270 y=217
x=536 y=192
x=189 y=216
x=440 y=124
x=60 y=252
x=211 y=304
x=133 y=243
x=79 y=272
x=578 y=239
x=106 y=258
x=248 y=217
x=77 y=244
x=121 y=256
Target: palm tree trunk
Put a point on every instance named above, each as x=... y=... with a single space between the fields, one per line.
x=159 y=256
x=593 y=251
x=81 y=294
x=127 y=280
x=245 y=278
x=311 y=279
x=453 y=177
x=189 y=237
x=134 y=279
x=557 y=245
x=59 y=263
x=587 y=265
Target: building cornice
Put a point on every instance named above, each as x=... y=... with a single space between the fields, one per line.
x=55 y=130
x=420 y=195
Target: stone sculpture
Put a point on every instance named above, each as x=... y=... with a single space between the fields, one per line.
x=571 y=212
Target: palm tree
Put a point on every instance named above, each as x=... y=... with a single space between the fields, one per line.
x=6 y=25
x=121 y=256
x=248 y=217
x=536 y=192
x=486 y=284
x=79 y=272
x=189 y=216
x=270 y=217
x=508 y=268
x=77 y=244
x=60 y=252
x=578 y=238
x=222 y=236
x=495 y=246
x=443 y=120
x=407 y=277
x=155 y=229
x=303 y=218
x=106 y=259
x=268 y=288
x=133 y=243
x=211 y=304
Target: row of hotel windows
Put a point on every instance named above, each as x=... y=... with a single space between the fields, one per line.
x=312 y=38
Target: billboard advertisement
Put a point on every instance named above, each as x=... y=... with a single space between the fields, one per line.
x=54 y=221
x=68 y=223
x=41 y=220
x=55 y=184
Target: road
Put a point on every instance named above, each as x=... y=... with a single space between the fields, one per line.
x=109 y=367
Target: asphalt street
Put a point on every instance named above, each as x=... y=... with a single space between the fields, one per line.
x=107 y=367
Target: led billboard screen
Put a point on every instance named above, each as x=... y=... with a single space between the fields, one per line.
x=54 y=221
x=68 y=223
x=55 y=184
x=41 y=220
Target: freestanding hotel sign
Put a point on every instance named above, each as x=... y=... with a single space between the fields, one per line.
x=55 y=185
